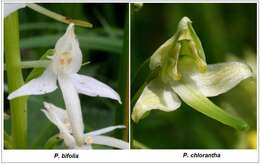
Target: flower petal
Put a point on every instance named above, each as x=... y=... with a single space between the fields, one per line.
x=184 y=42
x=92 y=87
x=59 y=117
x=194 y=98
x=110 y=141
x=68 y=56
x=155 y=95
x=46 y=83
x=165 y=48
x=72 y=103
x=12 y=7
x=220 y=77
x=104 y=130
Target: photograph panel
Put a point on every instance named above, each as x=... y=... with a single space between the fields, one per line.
x=193 y=71
x=63 y=88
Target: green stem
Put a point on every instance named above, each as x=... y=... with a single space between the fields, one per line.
x=18 y=106
x=122 y=115
x=132 y=134
x=33 y=64
x=57 y=16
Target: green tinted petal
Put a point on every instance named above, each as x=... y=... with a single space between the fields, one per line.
x=194 y=98
x=163 y=50
x=155 y=95
x=220 y=77
x=184 y=42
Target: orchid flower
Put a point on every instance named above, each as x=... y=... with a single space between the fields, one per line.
x=64 y=65
x=60 y=118
x=182 y=71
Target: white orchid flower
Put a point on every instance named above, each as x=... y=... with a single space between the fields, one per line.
x=9 y=8
x=64 y=65
x=177 y=76
x=60 y=118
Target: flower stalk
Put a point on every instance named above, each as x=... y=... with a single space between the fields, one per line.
x=57 y=16
x=33 y=64
x=124 y=83
x=18 y=106
x=12 y=7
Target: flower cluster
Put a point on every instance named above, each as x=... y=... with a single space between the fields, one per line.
x=63 y=67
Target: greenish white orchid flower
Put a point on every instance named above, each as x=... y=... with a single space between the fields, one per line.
x=64 y=65
x=182 y=71
x=60 y=118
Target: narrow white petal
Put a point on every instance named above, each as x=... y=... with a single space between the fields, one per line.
x=68 y=56
x=59 y=117
x=12 y=7
x=55 y=116
x=64 y=133
x=92 y=87
x=155 y=95
x=104 y=130
x=110 y=141
x=46 y=83
x=73 y=107
x=220 y=77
